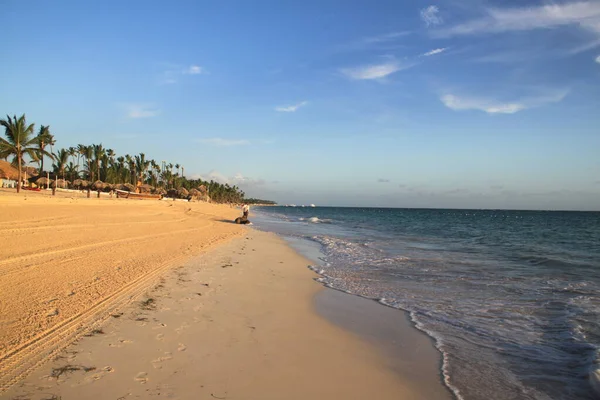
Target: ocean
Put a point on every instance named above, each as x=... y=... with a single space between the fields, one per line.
x=510 y=298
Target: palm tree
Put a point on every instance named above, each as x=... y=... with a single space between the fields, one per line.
x=19 y=141
x=45 y=138
x=88 y=154
x=80 y=152
x=141 y=165
x=62 y=158
x=98 y=155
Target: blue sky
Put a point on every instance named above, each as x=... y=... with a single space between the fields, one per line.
x=483 y=104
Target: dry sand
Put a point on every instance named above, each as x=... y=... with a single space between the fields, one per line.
x=67 y=262
x=236 y=322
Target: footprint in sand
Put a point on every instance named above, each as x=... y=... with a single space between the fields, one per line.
x=157 y=364
x=181 y=347
x=120 y=343
x=142 y=377
x=160 y=336
x=183 y=327
x=100 y=374
x=160 y=326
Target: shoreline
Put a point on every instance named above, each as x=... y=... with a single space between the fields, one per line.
x=243 y=319
x=382 y=325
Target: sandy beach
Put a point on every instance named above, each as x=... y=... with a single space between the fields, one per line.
x=116 y=299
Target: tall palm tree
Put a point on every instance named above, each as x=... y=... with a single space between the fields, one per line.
x=45 y=138
x=19 y=141
x=88 y=154
x=80 y=152
x=98 y=155
x=141 y=165
x=62 y=159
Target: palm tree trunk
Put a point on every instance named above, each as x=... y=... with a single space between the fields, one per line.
x=19 y=169
x=42 y=162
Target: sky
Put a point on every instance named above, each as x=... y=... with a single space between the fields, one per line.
x=459 y=104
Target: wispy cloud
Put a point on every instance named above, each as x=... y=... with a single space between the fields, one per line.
x=430 y=16
x=140 y=110
x=387 y=37
x=584 y=14
x=383 y=42
x=174 y=72
x=194 y=70
x=492 y=106
x=292 y=108
x=434 y=52
x=238 y=179
x=584 y=47
x=221 y=142
x=374 y=71
x=598 y=59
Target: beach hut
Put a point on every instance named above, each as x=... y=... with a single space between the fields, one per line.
x=8 y=175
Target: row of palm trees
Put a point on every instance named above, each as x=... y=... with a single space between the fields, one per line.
x=95 y=162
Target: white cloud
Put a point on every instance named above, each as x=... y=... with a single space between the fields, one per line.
x=435 y=51
x=223 y=142
x=238 y=179
x=430 y=16
x=585 y=14
x=138 y=110
x=492 y=106
x=374 y=71
x=387 y=37
x=292 y=108
x=598 y=59
x=194 y=70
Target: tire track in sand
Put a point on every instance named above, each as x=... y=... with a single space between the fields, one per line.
x=19 y=362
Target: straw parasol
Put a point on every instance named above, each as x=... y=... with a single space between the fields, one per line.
x=160 y=191
x=81 y=183
x=127 y=186
x=202 y=189
x=98 y=185
x=43 y=181
x=182 y=192
x=145 y=188
x=194 y=192
x=60 y=183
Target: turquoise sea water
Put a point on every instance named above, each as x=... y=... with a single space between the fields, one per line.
x=511 y=298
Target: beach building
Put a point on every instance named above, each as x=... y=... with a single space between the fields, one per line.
x=9 y=175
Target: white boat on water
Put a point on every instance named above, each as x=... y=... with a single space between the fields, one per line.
x=312 y=205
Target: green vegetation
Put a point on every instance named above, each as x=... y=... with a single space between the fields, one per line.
x=259 y=201
x=91 y=163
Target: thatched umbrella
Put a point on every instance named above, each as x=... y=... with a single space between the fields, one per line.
x=98 y=185
x=202 y=189
x=182 y=192
x=194 y=192
x=145 y=188
x=162 y=191
x=60 y=183
x=81 y=183
x=108 y=187
x=127 y=186
x=43 y=181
